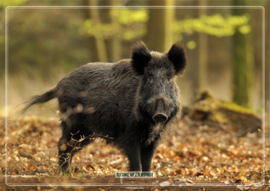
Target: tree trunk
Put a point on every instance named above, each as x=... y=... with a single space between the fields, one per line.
x=242 y=63
x=267 y=57
x=203 y=52
x=160 y=26
x=100 y=42
x=90 y=39
x=113 y=45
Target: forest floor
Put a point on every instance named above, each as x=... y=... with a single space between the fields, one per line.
x=194 y=157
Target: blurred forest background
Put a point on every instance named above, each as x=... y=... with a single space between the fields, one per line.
x=224 y=45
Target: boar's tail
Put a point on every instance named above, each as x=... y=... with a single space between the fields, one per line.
x=47 y=96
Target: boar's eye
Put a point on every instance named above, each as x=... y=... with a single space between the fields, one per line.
x=150 y=80
x=169 y=80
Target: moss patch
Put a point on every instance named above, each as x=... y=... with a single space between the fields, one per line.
x=219 y=117
x=235 y=107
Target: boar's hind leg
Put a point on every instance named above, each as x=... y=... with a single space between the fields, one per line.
x=70 y=143
x=147 y=153
x=65 y=156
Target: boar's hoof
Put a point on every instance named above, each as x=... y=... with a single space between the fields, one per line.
x=160 y=118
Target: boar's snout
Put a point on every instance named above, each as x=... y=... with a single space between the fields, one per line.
x=160 y=118
x=159 y=115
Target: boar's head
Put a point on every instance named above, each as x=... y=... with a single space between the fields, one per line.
x=157 y=97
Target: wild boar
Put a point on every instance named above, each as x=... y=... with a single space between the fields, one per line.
x=130 y=101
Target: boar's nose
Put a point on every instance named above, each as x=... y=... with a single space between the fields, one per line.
x=160 y=118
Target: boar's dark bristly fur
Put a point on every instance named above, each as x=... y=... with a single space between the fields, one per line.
x=131 y=101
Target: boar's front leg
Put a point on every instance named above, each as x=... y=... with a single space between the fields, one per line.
x=147 y=153
x=132 y=151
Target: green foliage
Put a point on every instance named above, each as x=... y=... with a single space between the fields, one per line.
x=44 y=39
x=215 y=25
x=129 y=16
x=131 y=24
x=128 y=26
x=191 y=44
x=5 y=3
x=98 y=30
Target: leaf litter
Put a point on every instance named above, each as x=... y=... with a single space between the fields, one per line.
x=187 y=154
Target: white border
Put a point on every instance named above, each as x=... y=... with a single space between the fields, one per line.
x=132 y=7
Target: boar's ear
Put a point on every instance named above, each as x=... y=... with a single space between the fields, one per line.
x=140 y=57
x=177 y=56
